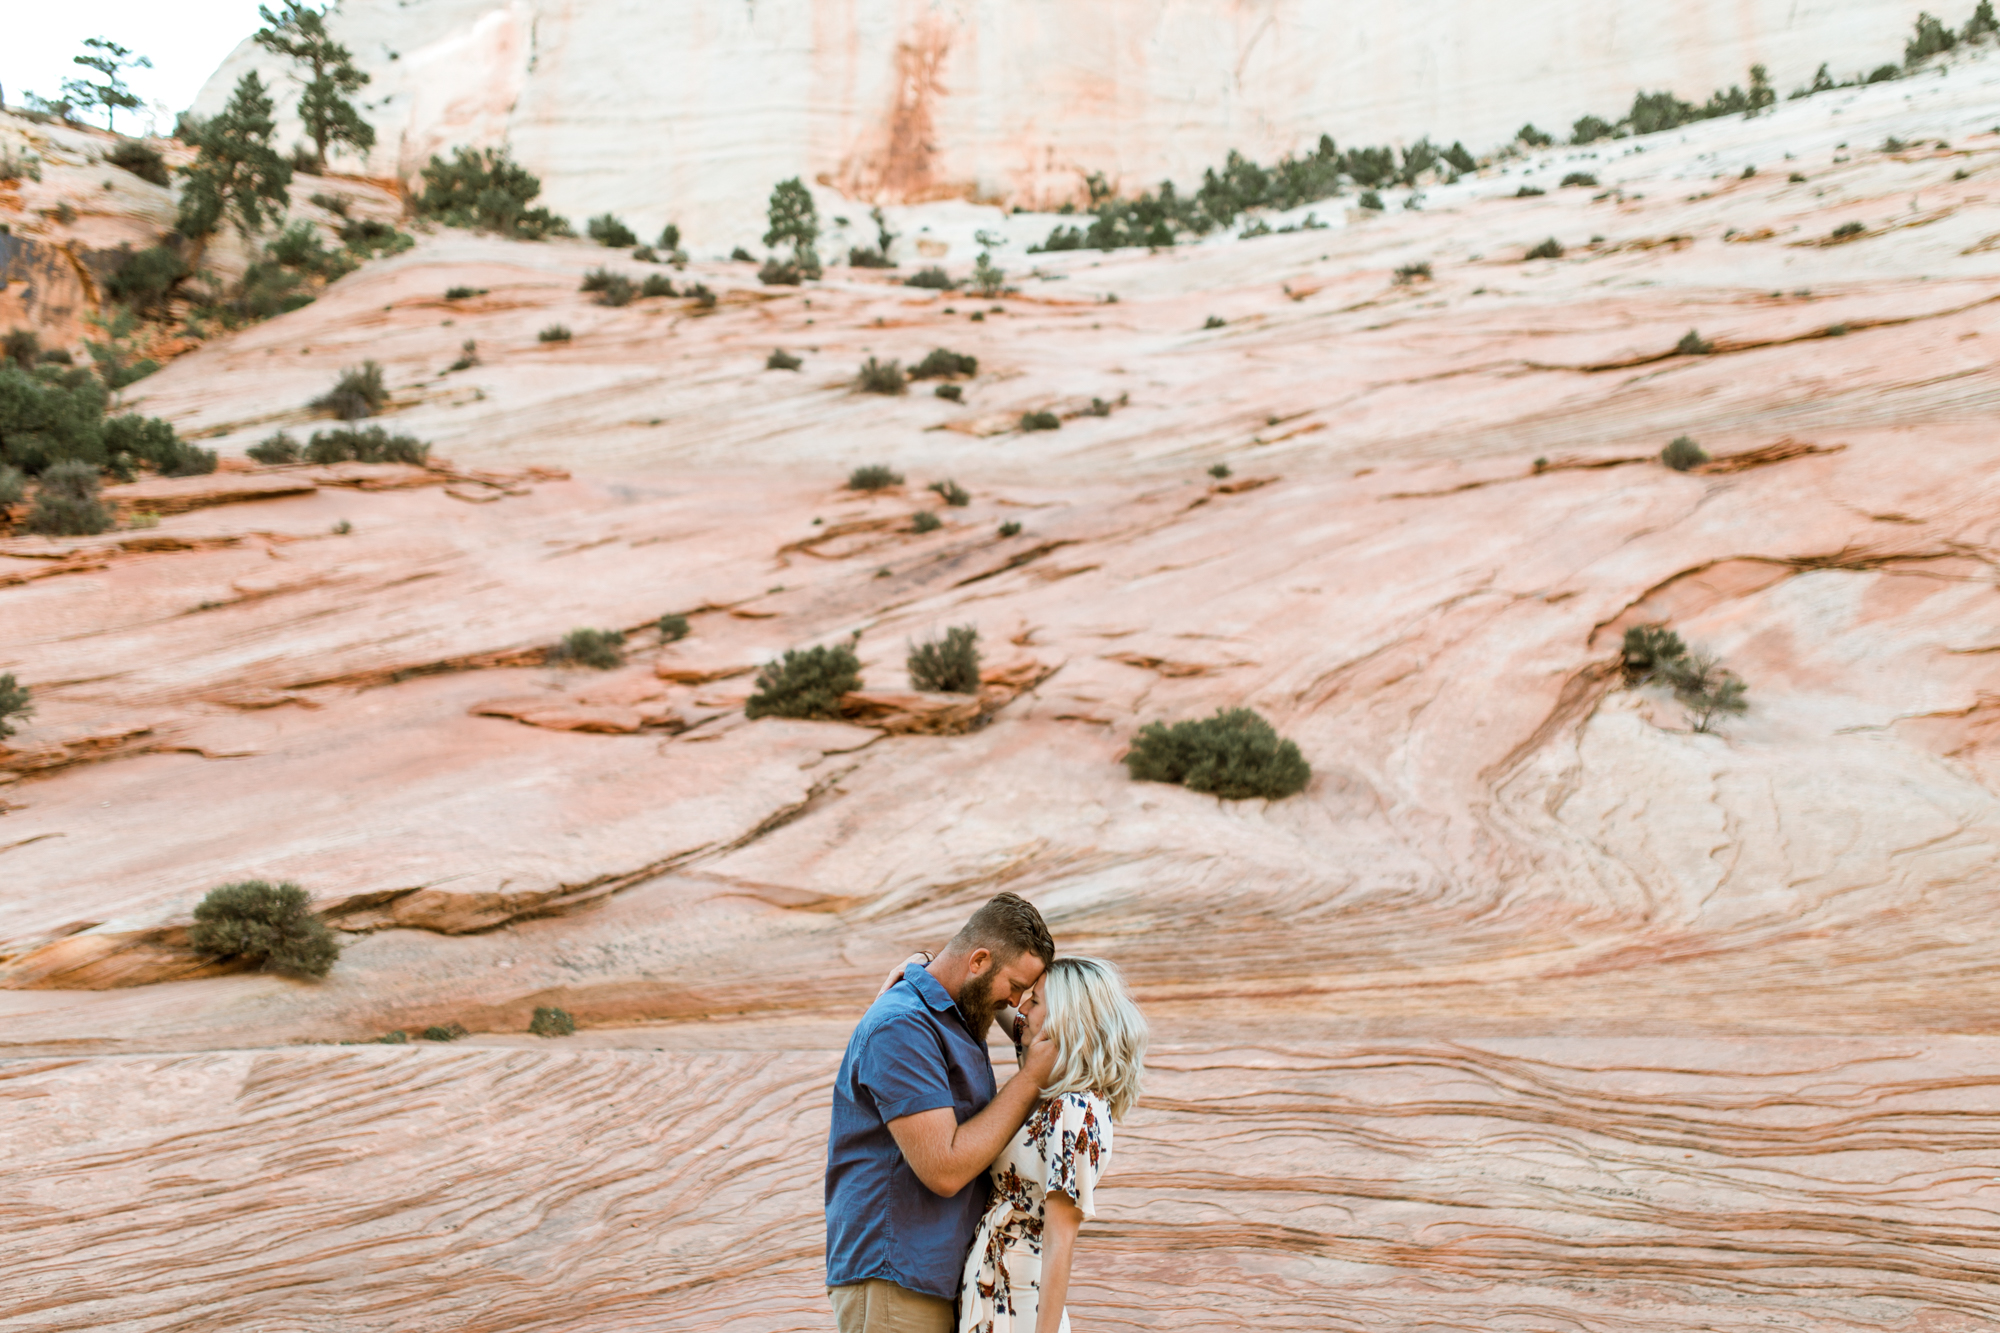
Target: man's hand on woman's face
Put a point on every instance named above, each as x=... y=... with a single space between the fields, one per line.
x=1040 y=1063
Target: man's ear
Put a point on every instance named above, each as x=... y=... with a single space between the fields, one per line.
x=978 y=962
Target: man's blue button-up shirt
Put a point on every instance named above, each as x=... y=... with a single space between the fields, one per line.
x=912 y=1052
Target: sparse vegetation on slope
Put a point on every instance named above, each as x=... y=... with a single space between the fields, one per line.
x=599 y=649
x=269 y=924
x=942 y=363
x=67 y=503
x=806 y=683
x=484 y=190
x=607 y=230
x=873 y=477
x=349 y=444
x=949 y=665
x=359 y=392
x=15 y=703
x=1235 y=755
x=1682 y=453
x=881 y=377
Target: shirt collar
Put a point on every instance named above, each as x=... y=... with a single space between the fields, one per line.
x=934 y=994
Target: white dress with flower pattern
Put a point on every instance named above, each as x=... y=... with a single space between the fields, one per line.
x=1062 y=1149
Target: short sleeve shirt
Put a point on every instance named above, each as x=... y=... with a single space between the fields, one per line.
x=911 y=1052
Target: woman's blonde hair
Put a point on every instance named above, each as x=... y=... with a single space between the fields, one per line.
x=1099 y=1033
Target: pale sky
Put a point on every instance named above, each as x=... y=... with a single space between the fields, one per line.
x=186 y=41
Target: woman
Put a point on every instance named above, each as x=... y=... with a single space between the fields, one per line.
x=1017 y=1275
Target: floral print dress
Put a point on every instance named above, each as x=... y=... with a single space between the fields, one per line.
x=1062 y=1149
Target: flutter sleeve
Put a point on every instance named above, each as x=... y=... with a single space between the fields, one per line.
x=1017 y=1028
x=1079 y=1148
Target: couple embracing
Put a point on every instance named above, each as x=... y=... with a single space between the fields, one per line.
x=953 y=1206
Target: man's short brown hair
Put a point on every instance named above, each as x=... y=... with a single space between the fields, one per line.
x=1008 y=926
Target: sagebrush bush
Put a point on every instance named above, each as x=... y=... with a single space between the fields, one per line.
x=1582 y=178
x=1847 y=229
x=881 y=377
x=468 y=356
x=1549 y=249
x=1215 y=322
x=1530 y=192
x=145 y=281
x=67 y=504
x=141 y=160
x=780 y=273
x=949 y=665
x=805 y=683
x=486 y=190
x=463 y=293
x=780 y=359
x=873 y=477
x=1370 y=200
x=673 y=628
x=607 y=230
x=1648 y=650
x=1235 y=755
x=13 y=485
x=1683 y=453
x=15 y=703
x=270 y=924
x=550 y=1022
x=1219 y=471
x=1010 y=529
x=599 y=649
x=951 y=493
x=347 y=444
x=554 y=333
x=596 y=280
x=272 y=449
x=703 y=298
x=950 y=393
x=1699 y=681
x=868 y=257
x=1040 y=421
x=1693 y=344
x=617 y=292
x=443 y=1032
x=657 y=284
x=359 y=392
x=925 y=521
x=742 y=256
x=942 y=363
x=933 y=277
x=1417 y=272
x=22 y=346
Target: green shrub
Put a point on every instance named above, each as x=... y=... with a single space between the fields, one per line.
x=1650 y=650
x=151 y=441
x=1533 y=137
x=1530 y=192
x=925 y=521
x=359 y=392
x=1884 y=73
x=1693 y=344
x=780 y=359
x=49 y=414
x=1589 y=129
x=447 y=1032
x=607 y=230
x=805 y=683
x=1931 y=38
x=987 y=278
x=367 y=236
x=873 y=477
x=554 y=333
x=1214 y=322
x=141 y=160
x=552 y=1023
x=670 y=237
x=780 y=273
x=657 y=284
x=673 y=628
x=1683 y=453
x=933 y=277
x=950 y=392
x=868 y=257
x=703 y=298
x=147 y=279
x=645 y=255
x=942 y=363
x=1370 y=200
x=1549 y=249
x=599 y=649
x=261 y=922
x=274 y=449
x=1582 y=178
x=881 y=377
x=396 y=1038
x=347 y=444
x=1010 y=529
x=15 y=703
x=485 y=190
x=949 y=665
x=23 y=347
x=13 y=485
x=1847 y=229
x=1417 y=272
x=742 y=256
x=1040 y=421
x=463 y=293
x=67 y=504
x=951 y=493
x=468 y=356
x=1219 y=471
x=618 y=291
x=1235 y=755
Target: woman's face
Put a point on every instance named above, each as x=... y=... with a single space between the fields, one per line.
x=1035 y=1009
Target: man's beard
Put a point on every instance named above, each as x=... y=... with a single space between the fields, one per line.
x=975 y=1002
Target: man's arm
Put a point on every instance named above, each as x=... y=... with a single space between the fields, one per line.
x=946 y=1155
x=1059 y=1228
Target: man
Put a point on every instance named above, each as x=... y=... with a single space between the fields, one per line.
x=916 y=1122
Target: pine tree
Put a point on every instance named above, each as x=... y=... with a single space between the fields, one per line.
x=1762 y=94
x=1982 y=21
x=794 y=221
x=236 y=173
x=299 y=33
x=107 y=58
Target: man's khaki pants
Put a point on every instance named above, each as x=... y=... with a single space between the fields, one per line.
x=878 y=1306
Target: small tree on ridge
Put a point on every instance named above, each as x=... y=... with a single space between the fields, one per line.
x=299 y=33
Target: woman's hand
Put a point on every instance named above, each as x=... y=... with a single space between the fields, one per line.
x=896 y=972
